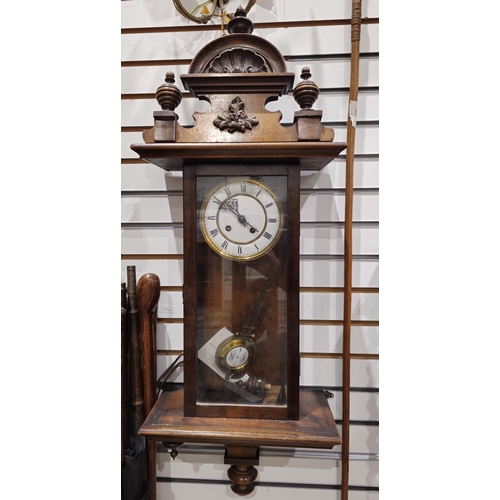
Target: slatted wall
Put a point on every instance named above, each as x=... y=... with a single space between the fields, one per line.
x=155 y=39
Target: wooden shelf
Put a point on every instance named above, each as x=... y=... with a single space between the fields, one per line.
x=171 y=156
x=315 y=428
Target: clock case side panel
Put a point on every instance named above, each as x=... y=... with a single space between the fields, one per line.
x=189 y=288
x=190 y=296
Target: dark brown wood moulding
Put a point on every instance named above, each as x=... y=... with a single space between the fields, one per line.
x=257 y=26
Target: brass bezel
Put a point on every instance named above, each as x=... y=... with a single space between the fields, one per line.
x=231 y=343
x=216 y=248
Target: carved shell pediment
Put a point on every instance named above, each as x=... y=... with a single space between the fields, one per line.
x=238 y=60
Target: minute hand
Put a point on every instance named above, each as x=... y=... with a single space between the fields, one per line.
x=241 y=218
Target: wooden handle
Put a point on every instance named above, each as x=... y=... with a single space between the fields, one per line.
x=148 y=295
x=136 y=389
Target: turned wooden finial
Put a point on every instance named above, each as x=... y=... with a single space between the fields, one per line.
x=240 y=22
x=167 y=94
x=306 y=92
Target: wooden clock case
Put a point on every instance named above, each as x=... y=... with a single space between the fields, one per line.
x=238 y=74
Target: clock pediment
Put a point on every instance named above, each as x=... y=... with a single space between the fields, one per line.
x=238 y=75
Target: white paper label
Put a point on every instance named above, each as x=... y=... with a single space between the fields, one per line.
x=353 y=112
x=207 y=352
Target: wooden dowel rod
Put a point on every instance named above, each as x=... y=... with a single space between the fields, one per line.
x=351 y=135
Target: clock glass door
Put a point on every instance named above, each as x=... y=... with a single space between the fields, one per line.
x=241 y=301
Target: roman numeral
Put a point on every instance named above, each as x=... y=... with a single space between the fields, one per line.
x=243 y=188
x=224 y=245
x=216 y=200
x=240 y=251
x=269 y=205
x=214 y=232
x=267 y=235
x=211 y=217
x=273 y=221
x=227 y=191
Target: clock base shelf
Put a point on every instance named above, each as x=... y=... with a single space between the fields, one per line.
x=242 y=438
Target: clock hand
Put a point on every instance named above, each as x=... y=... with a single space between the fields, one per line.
x=241 y=218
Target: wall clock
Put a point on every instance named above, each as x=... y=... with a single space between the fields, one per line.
x=241 y=227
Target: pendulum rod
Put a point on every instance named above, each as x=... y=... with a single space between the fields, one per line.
x=261 y=298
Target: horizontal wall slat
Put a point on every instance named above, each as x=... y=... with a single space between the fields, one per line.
x=313 y=306
x=367 y=140
x=161 y=13
x=313 y=207
x=142 y=176
x=326 y=74
x=282 y=469
x=364 y=339
x=269 y=492
x=290 y=41
x=139 y=112
x=319 y=273
x=313 y=372
x=321 y=240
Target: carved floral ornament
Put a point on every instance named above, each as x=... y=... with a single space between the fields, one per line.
x=236 y=120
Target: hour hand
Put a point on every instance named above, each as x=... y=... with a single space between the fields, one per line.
x=232 y=207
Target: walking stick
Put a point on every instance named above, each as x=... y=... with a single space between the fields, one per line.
x=351 y=135
x=136 y=385
x=148 y=295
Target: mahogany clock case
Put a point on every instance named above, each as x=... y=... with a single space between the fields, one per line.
x=251 y=303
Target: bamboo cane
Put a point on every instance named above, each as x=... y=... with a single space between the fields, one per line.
x=351 y=136
x=148 y=295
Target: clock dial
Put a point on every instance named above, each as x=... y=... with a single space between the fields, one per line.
x=235 y=354
x=241 y=219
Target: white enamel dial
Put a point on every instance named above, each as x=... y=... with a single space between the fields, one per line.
x=237 y=357
x=241 y=219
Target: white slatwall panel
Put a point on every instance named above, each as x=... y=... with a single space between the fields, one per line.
x=313 y=338
x=313 y=207
x=322 y=273
x=165 y=206
x=366 y=140
x=326 y=74
x=197 y=463
x=313 y=306
x=183 y=490
x=139 y=112
x=144 y=176
x=314 y=372
x=307 y=40
x=147 y=13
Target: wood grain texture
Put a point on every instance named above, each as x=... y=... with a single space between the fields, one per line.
x=148 y=294
x=315 y=427
x=311 y=155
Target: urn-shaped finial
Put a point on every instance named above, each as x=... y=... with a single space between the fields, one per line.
x=240 y=22
x=305 y=92
x=167 y=94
